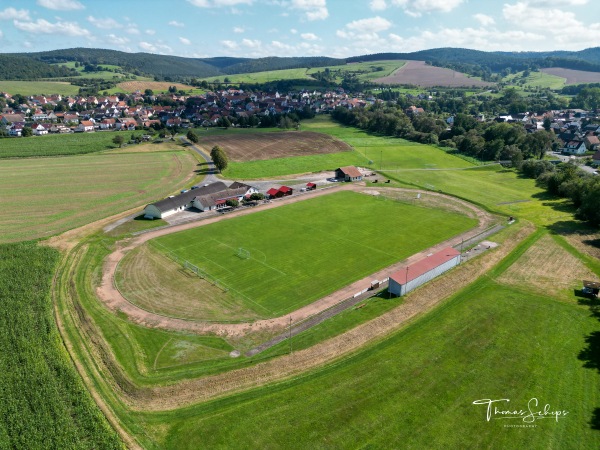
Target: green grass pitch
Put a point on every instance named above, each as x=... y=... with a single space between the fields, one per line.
x=304 y=251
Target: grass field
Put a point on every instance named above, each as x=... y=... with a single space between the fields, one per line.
x=155 y=86
x=44 y=196
x=57 y=144
x=262 y=77
x=539 y=79
x=38 y=87
x=44 y=403
x=301 y=252
x=420 y=384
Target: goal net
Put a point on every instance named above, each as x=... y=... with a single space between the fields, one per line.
x=243 y=253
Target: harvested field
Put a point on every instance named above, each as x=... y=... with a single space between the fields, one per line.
x=573 y=76
x=546 y=265
x=262 y=146
x=420 y=74
x=157 y=86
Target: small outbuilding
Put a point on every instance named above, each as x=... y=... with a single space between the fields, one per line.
x=591 y=288
x=281 y=192
x=311 y=186
x=348 y=173
x=413 y=276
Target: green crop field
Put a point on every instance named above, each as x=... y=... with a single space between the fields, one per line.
x=38 y=87
x=44 y=196
x=365 y=71
x=44 y=403
x=387 y=153
x=57 y=144
x=304 y=251
x=262 y=77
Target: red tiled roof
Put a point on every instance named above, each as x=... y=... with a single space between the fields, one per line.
x=310 y=184
x=285 y=189
x=425 y=265
x=272 y=191
x=351 y=171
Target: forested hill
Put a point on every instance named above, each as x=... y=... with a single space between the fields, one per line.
x=466 y=60
x=23 y=68
x=38 y=65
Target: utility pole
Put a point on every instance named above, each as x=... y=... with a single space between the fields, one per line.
x=290 y=335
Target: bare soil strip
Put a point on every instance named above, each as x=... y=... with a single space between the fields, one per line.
x=109 y=294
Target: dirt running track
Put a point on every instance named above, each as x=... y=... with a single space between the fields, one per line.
x=113 y=299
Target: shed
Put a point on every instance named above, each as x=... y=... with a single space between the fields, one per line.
x=311 y=186
x=414 y=275
x=348 y=173
x=591 y=288
x=273 y=192
x=286 y=190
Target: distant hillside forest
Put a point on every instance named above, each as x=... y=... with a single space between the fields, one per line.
x=490 y=66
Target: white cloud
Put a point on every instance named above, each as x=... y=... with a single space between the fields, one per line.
x=117 y=40
x=61 y=5
x=155 y=48
x=309 y=36
x=12 y=13
x=313 y=9
x=150 y=32
x=185 y=41
x=293 y=31
x=251 y=43
x=563 y=3
x=132 y=29
x=378 y=5
x=522 y=14
x=176 y=24
x=364 y=29
x=484 y=20
x=42 y=26
x=229 y=45
x=105 y=24
x=219 y=3
x=416 y=8
x=1 y=34
x=238 y=29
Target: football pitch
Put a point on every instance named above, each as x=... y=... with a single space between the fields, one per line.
x=298 y=253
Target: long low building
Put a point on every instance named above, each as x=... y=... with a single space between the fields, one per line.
x=413 y=276
x=204 y=198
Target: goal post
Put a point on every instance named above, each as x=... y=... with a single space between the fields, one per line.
x=243 y=253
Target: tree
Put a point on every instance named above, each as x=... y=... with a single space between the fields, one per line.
x=27 y=131
x=118 y=140
x=192 y=136
x=219 y=158
x=232 y=202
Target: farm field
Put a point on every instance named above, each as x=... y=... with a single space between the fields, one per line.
x=539 y=79
x=57 y=144
x=260 y=146
x=104 y=74
x=43 y=398
x=156 y=86
x=371 y=151
x=420 y=74
x=290 y=265
x=573 y=76
x=38 y=87
x=262 y=77
x=44 y=196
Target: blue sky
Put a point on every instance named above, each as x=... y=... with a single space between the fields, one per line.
x=338 y=28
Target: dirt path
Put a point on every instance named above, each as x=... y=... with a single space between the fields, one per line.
x=112 y=298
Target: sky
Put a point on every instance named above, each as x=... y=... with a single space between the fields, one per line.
x=335 y=28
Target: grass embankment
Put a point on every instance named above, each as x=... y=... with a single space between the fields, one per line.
x=43 y=403
x=304 y=251
x=45 y=196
